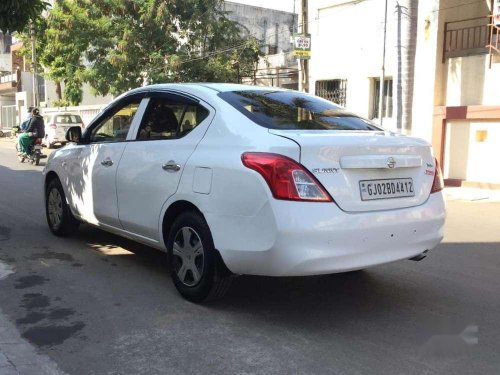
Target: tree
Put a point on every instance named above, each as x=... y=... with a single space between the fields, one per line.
x=150 y=41
x=117 y=45
x=15 y=15
x=62 y=39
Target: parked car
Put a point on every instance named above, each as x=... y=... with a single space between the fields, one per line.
x=56 y=125
x=234 y=179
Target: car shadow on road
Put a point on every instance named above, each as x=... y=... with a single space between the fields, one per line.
x=394 y=287
x=417 y=297
x=372 y=285
x=107 y=243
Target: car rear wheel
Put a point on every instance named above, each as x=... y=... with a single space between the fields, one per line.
x=59 y=217
x=197 y=269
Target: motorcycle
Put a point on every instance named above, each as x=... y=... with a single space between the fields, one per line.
x=34 y=153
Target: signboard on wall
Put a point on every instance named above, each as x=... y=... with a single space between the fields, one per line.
x=302 y=46
x=496 y=13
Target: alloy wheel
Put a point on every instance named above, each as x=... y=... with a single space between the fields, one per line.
x=55 y=208
x=188 y=256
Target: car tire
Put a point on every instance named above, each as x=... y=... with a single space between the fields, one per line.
x=61 y=221
x=196 y=267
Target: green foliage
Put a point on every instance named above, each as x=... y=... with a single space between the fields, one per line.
x=73 y=92
x=61 y=39
x=60 y=103
x=153 y=41
x=130 y=43
x=15 y=15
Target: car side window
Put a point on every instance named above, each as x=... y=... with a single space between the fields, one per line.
x=114 y=128
x=166 y=118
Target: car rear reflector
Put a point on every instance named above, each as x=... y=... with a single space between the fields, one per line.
x=438 y=183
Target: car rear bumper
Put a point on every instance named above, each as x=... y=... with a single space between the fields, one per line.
x=56 y=136
x=304 y=238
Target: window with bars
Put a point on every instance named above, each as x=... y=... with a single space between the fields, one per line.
x=386 y=100
x=334 y=90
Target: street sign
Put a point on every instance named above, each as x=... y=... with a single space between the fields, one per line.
x=302 y=46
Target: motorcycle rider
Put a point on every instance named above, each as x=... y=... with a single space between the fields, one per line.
x=25 y=123
x=36 y=129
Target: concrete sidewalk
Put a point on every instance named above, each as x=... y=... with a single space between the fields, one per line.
x=471 y=194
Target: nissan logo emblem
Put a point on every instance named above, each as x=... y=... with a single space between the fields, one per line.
x=391 y=163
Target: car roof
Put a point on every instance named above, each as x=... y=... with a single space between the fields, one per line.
x=218 y=87
x=223 y=87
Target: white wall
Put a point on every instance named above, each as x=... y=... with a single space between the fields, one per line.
x=469 y=159
x=347 y=43
x=470 y=81
x=457 y=149
x=427 y=65
x=261 y=23
x=5 y=62
x=484 y=156
x=88 y=96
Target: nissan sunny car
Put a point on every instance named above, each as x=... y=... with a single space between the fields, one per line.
x=235 y=179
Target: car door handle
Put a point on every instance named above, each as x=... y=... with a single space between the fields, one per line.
x=107 y=162
x=171 y=166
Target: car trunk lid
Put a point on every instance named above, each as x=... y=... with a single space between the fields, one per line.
x=367 y=170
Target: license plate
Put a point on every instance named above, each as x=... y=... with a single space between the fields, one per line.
x=38 y=147
x=386 y=189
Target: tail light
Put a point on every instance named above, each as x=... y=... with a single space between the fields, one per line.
x=287 y=179
x=53 y=126
x=38 y=141
x=438 y=183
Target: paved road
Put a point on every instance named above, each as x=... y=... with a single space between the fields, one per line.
x=99 y=304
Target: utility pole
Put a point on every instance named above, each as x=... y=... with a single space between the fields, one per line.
x=34 y=65
x=303 y=63
x=382 y=75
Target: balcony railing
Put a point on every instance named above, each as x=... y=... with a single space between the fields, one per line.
x=7 y=77
x=493 y=43
x=466 y=37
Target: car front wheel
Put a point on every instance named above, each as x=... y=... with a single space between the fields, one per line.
x=197 y=269
x=59 y=217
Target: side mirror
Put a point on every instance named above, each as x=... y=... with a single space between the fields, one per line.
x=74 y=134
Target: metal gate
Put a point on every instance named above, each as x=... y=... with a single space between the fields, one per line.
x=8 y=118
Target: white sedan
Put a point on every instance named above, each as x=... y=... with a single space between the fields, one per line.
x=56 y=125
x=233 y=179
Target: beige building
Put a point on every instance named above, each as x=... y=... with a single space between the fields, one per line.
x=448 y=87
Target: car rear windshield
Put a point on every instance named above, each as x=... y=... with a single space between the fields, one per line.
x=291 y=110
x=68 y=119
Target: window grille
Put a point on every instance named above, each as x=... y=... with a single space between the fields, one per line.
x=334 y=90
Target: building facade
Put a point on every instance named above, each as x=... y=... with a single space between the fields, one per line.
x=441 y=78
x=274 y=30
